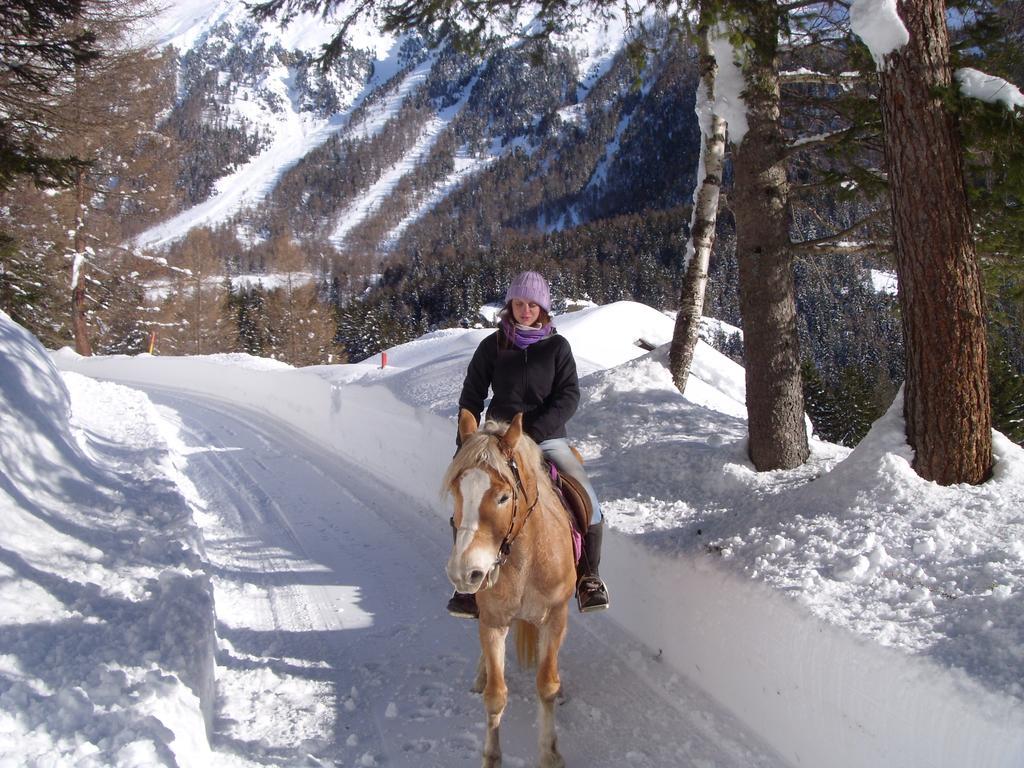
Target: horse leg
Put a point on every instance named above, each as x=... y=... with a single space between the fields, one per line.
x=480 y=680
x=492 y=647
x=552 y=633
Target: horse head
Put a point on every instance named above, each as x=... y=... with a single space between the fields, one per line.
x=489 y=479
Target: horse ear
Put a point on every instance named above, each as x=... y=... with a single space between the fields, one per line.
x=512 y=434
x=467 y=424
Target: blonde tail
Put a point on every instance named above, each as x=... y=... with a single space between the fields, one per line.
x=526 y=644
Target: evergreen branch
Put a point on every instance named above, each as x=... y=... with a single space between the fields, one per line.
x=809 y=77
x=824 y=139
x=840 y=248
x=808 y=142
x=834 y=243
x=797 y=5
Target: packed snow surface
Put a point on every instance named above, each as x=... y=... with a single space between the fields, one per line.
x=241 y=563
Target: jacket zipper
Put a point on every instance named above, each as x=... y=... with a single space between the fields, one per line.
x=526 y=377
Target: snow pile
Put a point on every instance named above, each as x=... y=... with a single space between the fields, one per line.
x=106 y=628
x=858 y=538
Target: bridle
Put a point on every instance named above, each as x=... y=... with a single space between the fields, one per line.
x=505 y=548
x=506 y=543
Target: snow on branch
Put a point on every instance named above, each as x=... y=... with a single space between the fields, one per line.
x=804 y=142
x=878 y=24
x=975 y=84
x=804 y=76
x=835 y=243
x=729 y=85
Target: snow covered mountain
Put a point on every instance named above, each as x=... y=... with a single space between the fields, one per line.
x=380 y=147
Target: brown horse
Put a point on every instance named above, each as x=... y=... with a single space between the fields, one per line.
x=514 y=550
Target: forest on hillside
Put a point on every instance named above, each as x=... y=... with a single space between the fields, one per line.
x=107 y=139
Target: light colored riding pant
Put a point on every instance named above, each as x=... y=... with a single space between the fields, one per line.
x=557 y=451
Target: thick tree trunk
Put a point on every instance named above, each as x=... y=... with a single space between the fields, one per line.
x=702 y=222
x=760 y=201
x=946 y=396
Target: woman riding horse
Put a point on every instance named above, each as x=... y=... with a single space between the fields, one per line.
x=531 y=370
x=513 y=546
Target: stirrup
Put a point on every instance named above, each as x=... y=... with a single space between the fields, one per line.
x=463 y=606
x=591 y=595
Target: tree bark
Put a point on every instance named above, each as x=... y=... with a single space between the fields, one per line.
x=775 y=402
x=702 y=222
x=79 y=325
x=78 y=322
x=946 y=395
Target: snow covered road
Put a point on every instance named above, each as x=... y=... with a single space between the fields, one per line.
x=334 y=645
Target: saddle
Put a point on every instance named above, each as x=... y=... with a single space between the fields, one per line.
x=574 y=499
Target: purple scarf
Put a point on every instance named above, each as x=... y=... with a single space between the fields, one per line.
x=522 y=336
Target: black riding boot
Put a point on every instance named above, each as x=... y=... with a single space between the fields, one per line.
x=591 y=593
x=461 y=604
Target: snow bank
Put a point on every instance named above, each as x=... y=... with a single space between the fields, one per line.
x=106 y=626
x=819 y=695
x=366 y=424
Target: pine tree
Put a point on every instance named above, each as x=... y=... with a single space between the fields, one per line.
x=252 y=320
x=820 y=402
x=41 y=45
x=858 y=407
x=101 y=112
x=1007 y=386
x=946 y=403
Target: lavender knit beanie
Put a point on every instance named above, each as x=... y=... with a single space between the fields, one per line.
x=530 y=286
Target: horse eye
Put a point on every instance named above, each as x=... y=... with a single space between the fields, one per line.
x=503 y=499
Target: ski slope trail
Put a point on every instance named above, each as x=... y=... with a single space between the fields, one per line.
x=335 y=648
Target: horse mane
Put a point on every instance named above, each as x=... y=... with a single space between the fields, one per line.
x=482 y=448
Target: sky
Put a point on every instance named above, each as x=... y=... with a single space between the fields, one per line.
x=225 y=559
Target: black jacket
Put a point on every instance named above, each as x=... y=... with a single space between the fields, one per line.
x=539 y=381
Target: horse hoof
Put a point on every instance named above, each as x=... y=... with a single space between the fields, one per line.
x=493 y=762
x=553 y=760
x=479 y=683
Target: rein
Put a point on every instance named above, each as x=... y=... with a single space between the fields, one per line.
x=506 y=543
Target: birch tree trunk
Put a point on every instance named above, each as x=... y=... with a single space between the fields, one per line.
x=946 y=395
x=760 y=200
x=702 y=220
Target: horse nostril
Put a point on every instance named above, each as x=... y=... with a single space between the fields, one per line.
x=476 y=576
